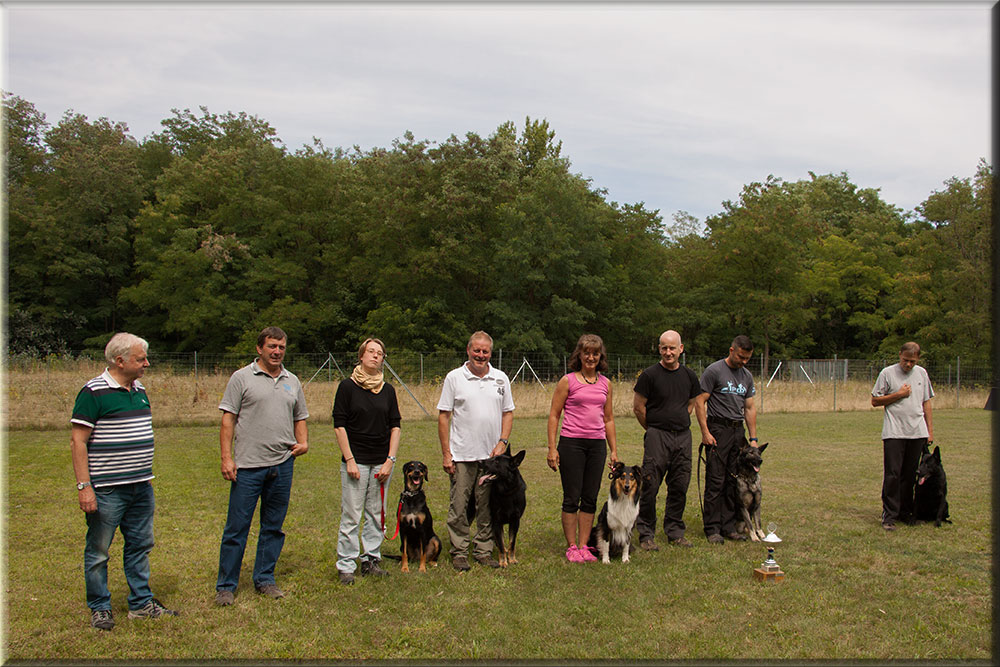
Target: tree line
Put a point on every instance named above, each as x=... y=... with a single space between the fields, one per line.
x=199 y=235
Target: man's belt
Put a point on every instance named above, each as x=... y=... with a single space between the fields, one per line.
x=728 y=423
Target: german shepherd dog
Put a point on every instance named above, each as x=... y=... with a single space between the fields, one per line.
x=507 y=501
x=417 y=541
x=747 y=489
x=612 y=534
x=930 y=499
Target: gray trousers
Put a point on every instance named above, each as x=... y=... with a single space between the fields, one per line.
x=463 y=484
x=665 y=454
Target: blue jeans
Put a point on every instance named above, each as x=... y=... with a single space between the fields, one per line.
x=129 y=507
x=357 y=497
x=273 y=486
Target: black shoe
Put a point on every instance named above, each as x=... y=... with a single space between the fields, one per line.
x=888 y=525
x=488 y=561
x=715 y=538
x=679 y=542
x=371 y=568
x=736 y=537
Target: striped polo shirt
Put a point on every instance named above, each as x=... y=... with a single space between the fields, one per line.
x=120 y=448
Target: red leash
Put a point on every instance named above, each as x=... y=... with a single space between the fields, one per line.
x=381 y=490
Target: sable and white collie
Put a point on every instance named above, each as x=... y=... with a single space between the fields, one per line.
x=612 y=534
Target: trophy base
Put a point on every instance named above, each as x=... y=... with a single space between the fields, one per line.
x=769 y=574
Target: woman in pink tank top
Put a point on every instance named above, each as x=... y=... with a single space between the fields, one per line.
x=583 y=399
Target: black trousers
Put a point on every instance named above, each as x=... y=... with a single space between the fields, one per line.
x=900 y=458
x=665 y=454
x=719 y=515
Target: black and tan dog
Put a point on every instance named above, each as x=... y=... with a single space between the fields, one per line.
x=930 y=500
x=417 y=541
x=612 y=534
x=747 y=489
x=507 y=501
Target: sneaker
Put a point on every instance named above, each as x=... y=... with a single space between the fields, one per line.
x=346 y=578
x=488 y=561
x=152 y=609
x=270 y=590
x=736 y=537
x=224 y=598
x=888 y=525
x=715 y=538
x=586 y=555
x=679 y=542
x=371 y=567
x=460 y=563
x=102 y=619
x=573 y=554
x=648 y=545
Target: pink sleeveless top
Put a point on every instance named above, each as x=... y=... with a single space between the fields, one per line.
x=583 y=413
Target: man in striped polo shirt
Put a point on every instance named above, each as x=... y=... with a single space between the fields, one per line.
x=112 y=447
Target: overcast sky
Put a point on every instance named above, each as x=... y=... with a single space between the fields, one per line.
x=674 y=105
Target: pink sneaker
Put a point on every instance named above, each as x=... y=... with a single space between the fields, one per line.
x=586 y=555
x=573 y=554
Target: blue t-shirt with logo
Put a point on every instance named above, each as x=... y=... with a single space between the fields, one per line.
x=728 y=388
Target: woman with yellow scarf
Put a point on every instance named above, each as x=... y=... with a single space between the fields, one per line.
x=366 y=422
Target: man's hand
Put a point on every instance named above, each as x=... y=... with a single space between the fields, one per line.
x=88 y=501
x=228 y=468
x=448 y=464
x=299 y=448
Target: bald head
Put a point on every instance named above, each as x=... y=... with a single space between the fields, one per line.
x=670 y=349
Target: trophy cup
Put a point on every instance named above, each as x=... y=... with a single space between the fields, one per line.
x=769 y=570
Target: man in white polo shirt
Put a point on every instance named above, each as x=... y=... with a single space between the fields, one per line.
x=475 y=416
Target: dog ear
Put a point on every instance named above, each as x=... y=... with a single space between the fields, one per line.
x=423 y=469
x=637 y=471
x=763 y=447
x=518 y=458
x=937 y=453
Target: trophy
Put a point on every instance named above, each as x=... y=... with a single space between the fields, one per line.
x=769 y=570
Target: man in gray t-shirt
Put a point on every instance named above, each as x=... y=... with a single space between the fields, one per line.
x=726 y=402
x=904 y=389
x=264 y=409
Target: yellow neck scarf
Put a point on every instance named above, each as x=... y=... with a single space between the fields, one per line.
x=372 y=383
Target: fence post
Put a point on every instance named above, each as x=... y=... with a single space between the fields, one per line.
x=833 y=375
x=421 y=368
x=958 y=382
x=196 y=367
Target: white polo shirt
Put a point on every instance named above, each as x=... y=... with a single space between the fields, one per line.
x=476 y=405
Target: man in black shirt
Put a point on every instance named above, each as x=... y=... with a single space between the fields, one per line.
x=662 y=402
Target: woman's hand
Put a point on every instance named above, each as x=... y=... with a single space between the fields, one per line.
x=553 y=458
x=352 y=469
x=385 y=471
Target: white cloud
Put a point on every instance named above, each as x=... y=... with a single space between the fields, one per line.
x=674 y=105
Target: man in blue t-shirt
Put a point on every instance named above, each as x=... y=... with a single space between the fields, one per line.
x=112 y=446
x=726 y=402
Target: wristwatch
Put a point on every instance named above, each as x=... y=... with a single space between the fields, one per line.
x=504 y=441
x=80 y=486
x=392 y=458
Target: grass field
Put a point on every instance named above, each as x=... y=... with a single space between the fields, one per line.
x=851 y=592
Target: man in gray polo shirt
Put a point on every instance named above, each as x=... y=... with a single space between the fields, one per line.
x=905 y=391
x=726 y=402
x=265 y=409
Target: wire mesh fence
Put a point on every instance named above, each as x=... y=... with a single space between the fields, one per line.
x=431 y=367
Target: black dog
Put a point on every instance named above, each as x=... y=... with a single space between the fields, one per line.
x=612 y=534
x=507 y=500
x=747 y=489
x=930 y=500
x=417 y=540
